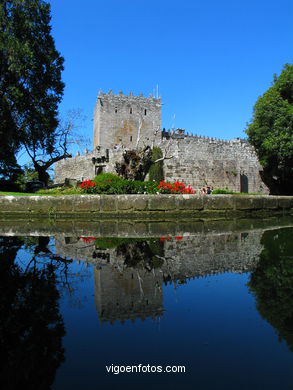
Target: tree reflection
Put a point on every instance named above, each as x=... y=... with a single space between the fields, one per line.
x=31 y=327
x=272 y=282
x=148 y=254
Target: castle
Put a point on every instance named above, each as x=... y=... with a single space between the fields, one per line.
x=126 y=122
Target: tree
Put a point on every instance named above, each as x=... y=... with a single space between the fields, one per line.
x=271 y=133
x=58 y=146
x=30 y=80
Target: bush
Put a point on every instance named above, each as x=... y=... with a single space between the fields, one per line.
x=111 y=184
x=222 y=191
x=107 y=177
x=61 y=191
x=116 y=185
x=175 y=188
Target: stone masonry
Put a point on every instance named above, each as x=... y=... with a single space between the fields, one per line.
x=126 y=122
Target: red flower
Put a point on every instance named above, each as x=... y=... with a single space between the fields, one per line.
x=177 y=187
x=87 y=184
x=88 y=240
x=162 y=239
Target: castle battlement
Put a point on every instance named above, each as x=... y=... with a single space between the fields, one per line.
x=130 y=97
x=125 y=120
x=129 y=122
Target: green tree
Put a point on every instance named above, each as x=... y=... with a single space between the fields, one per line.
x=30 y=80
x=271 y=133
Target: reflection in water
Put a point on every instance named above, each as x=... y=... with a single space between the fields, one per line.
x=130 y=273
x=31 y=327
x=130 y=276
x=272 y=282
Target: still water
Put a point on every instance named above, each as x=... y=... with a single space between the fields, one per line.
x=214 y=303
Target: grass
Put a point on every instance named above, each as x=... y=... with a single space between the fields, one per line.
x=77 y=191
x=16 y=193
x=229 y=192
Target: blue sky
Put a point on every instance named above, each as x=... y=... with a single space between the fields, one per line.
x=211 y=59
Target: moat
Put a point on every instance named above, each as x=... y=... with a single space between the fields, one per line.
x=214 y=296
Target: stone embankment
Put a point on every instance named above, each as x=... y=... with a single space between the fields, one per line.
x=144 y=206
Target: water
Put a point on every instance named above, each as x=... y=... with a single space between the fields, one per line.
x=214 y=301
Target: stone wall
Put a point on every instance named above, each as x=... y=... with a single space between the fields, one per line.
x=196 y=161
x=121 y=120
x=144 y=206
x=87 y=166
x=201 y=161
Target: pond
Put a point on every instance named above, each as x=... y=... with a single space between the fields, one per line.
x=203 y=306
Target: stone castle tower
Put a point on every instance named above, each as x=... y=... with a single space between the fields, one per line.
x=127 y=122
x=123 y=120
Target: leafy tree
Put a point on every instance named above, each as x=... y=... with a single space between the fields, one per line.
x=271 y=133
x=59 y=144
x=30 y=80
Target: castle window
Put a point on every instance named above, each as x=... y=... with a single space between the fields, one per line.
x=145 y=111
x=116 y=110
x=130 y=110
x=131 y=138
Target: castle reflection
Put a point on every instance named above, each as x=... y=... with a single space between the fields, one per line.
x=129 y=273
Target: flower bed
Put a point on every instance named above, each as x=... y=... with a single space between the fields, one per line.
x=112 y=184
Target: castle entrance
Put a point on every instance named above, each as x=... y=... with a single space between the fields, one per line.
x=243 y=183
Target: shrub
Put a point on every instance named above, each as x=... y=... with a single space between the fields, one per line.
x=106 y=184
x=107 y=177
x=175 y=188
x=61 y=191
x=88 y=186
x=117 y=185
x=222 y=191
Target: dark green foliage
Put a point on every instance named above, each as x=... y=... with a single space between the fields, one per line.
x=222 y=191
x=31 y=327
x=272 y=282
x=107 y=177
x=156 y=171
x=113 y=242
x=30 y=80
x=28 y=174
x=108 y=183
x=271 y=133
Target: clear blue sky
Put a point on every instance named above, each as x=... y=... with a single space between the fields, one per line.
x=211 y=59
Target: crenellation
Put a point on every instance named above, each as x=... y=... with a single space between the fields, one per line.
x=127 y=122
